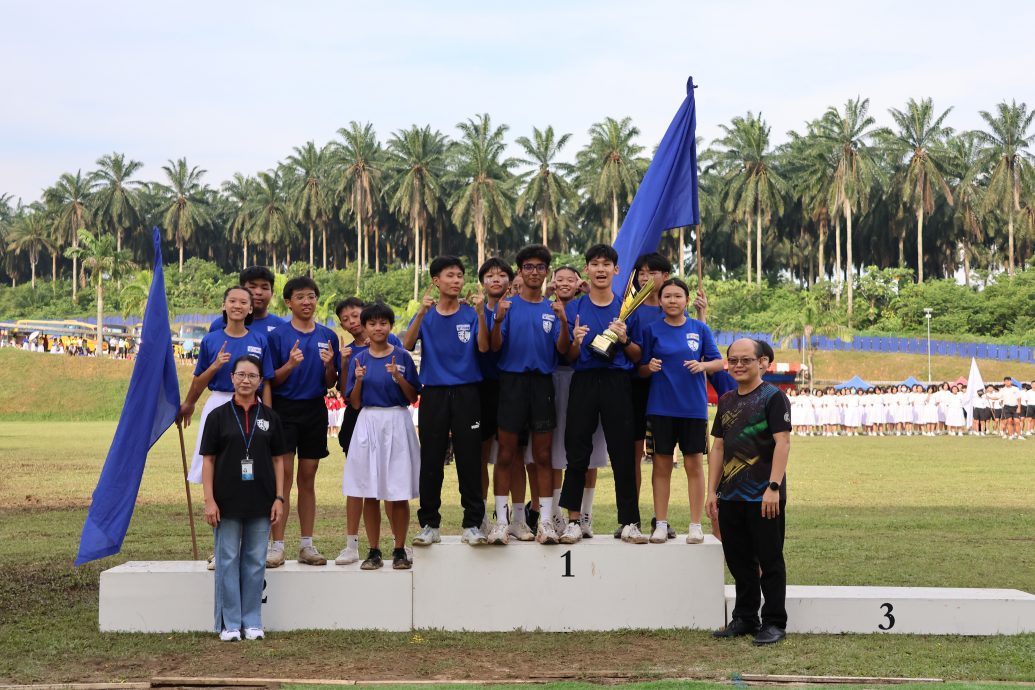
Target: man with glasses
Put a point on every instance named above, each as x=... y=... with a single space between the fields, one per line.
x=747 y=491
x=529 y=332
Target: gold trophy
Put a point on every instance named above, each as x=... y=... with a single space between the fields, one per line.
x=605 y=345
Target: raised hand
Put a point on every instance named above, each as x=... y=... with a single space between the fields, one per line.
x=578 y=333
x=295 y=357
x=222 y=357
x=427 y=303
x=654 y=365
x=392 y=369
x=327 y=355
x=361 y=371
x=558 y=309
x=551 y=288
x=346 y=352
x=694 y=365
x=477 y=300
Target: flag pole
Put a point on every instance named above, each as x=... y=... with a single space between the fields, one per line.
x=186 y=487
x=700 y=265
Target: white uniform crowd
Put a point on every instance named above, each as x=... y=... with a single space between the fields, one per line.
x=1007 y=410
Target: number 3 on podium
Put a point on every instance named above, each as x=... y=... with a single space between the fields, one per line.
x=887 y=608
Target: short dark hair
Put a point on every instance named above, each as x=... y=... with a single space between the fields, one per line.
x=764 y=349
x=495 y=262
x=654 y=262
x=251 y=359
x=533 y=251
x=300 y=283
x=251 y=300
x=678 y=283
x=256 y=273
x=602 y=251
x=348 y=303
x=378 y=311
x=566 y=267
x=441 y=263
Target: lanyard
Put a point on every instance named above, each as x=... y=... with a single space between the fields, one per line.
x=247 y=438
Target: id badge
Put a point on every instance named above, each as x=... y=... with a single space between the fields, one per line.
x=247 y=473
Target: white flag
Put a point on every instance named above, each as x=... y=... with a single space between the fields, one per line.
x=974 y=384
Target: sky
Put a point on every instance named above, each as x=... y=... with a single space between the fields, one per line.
x=234 y=86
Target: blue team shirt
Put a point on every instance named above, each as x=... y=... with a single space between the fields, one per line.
x=598 y=319
x=644 y=316
x=488 y=362
x=449 y=348
x=379 y=390
x=392 y=340
x=674 y=391
x=263 y=326
x=306 y=381
x=530 y=332
x=250 y=343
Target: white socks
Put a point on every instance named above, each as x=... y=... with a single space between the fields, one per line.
x=519 y=513
x=303 y=542
x=587 y=501
x=695 y=524
x=278 y=545
x=501 y=510
x=545 y=508
x=352 y=541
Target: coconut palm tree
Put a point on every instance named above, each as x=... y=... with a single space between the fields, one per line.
x=270 y=214
x=238 y=190
x=104 y=261
x=610 y=166
x=311 y=199
x=815 y=317
x=547 y=187
x=186 y=205
x=417 y=167
x=67 y=201
x=30 y=234
x=1008 y=157
x=359 y=158
x=963 y=162
x=114 y=195
x=484 y=197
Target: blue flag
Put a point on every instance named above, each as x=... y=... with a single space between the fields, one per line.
x=152 y=403
x=667 y=197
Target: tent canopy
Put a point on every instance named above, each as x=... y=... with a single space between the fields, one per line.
x=854 y=382
x=910 y=382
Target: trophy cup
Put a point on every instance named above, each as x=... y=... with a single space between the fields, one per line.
x=605 y=345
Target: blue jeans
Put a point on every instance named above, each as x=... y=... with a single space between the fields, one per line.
x=240 y=570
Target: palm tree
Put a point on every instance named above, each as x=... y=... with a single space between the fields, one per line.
x=752 y=187
x=310 y=200
x=963 y=161
x=29 y=233
x=547 y=188
x=813 y=318
x=809 y=161
x=920 y=136
x=1009 y=159
x=484 y=197
x=270 y=212
x=847 y=136
x=68 y=203
x=186 y=204
x=238 y=191
x=417 y=164
x=115 y=204
x=104 y=261
x=359 y=156
x=610 y=167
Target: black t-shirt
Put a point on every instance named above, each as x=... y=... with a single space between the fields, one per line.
x=746 y=424
x=226 y=428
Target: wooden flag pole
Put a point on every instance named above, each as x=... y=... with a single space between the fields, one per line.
x=186 y=487
x=700 y=265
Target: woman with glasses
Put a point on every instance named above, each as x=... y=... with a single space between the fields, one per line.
x=243 y=476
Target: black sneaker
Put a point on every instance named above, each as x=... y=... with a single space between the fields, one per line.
x=769 y=634
x=531 y=517
x=618 y=532
x=736 y=628
x=401 y=560
x=373 y=560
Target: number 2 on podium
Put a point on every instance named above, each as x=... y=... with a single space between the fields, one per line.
x=567 y=564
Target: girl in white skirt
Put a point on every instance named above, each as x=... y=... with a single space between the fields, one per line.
x=954 y=418
x=852 y=412
x=384 y=456
x=929 y=410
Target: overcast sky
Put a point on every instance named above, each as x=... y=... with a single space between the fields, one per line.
x=233 y=86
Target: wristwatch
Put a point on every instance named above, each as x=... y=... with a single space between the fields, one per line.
x=279 y=498
x=775 y=486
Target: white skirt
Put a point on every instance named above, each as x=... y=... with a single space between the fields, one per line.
x=384 y=456
x=561 y=388
x=215 y=399
x=853 y=416
x=807 y=414
x=930 y=414
x=954 y=417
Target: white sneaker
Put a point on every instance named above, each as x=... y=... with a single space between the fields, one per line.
x=521 y=531
x=253 y=634
x=498 y=534
x=586 y=523
x=546 y=533
x=473 y=536
x=230 y=636
x=211 y=562
x=658 y=536
x=696 y=535
x=486 y=524
x=632 y=535
x=348 y=556
x=274 y=557
x=572 y=533
x=427 y=536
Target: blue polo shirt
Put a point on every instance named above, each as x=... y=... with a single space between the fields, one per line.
x=598 y=319
x=674 y=391
x=250 y=343
x=530 y=331
x=449 y=348
x=263 y=326
x=306 y=382
x=379 y=390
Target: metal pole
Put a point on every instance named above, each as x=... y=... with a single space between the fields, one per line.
x=927 y=315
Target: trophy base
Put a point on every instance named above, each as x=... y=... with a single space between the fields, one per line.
x=604 y=348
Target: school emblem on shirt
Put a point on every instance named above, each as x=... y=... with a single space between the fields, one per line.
x=263 y=424
x=255 y=350
x=548 y=320
x=693 y=341
x=463 y=332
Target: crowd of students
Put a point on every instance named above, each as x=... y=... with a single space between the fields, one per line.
x=943 y=409
x=116 y=347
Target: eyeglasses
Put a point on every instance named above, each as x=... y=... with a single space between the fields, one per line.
x=537 y=268
x=737 y=361
x=245 y=376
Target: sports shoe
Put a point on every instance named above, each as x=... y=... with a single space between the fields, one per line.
x=498 y=535
x=427 y=536
x=695 y=535
x=572 y=533
x=547 y=533
x=211 y=565
x=348 y=556
x=531 y=519
x=671 y=529
x=631 y=534
x=274 y=557
x=308 y=555
x=586 y=523
x=401 y=560
x=373 y=560
x=254 y=634
x=230 y=635
x=486 y=523
x=473 y=536
x=521 y=531
x=618 y=532
x=659 y=535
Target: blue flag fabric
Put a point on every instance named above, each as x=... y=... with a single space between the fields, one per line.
x=152 y=403
x=667 y=196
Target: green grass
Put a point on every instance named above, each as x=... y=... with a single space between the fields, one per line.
x=953 y=512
